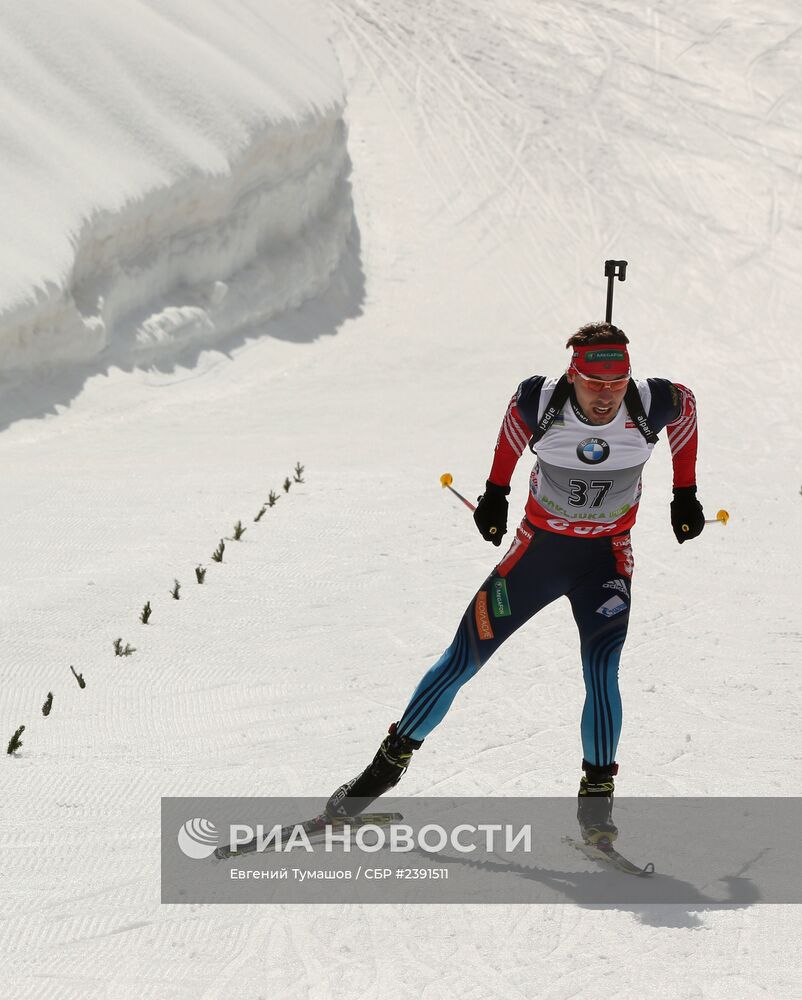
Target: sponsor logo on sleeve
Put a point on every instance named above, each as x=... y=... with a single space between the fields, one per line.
x=483 y=626
x=619 y=585
x=612 y=607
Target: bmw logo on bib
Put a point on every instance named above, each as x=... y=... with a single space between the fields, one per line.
x=591 y=451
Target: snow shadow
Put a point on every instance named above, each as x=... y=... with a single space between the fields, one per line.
x=321 y=311
x=270 y=247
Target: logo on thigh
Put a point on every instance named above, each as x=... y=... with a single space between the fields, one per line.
x=612 y=607
x=500 y=599
x=483 y=626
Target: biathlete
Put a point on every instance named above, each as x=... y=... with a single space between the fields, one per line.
x=593 y=429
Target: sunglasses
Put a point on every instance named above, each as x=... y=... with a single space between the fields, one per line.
x=597 y=384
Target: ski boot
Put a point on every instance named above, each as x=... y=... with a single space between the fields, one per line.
x=385 y=771
x=595 y=809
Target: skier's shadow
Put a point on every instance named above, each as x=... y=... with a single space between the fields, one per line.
x=656 y=900
x=698 y=868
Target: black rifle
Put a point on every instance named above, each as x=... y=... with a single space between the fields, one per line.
x=613 y=269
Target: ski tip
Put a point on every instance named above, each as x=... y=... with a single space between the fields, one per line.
x=607 y=855
x=366 y=819
x=223 y=853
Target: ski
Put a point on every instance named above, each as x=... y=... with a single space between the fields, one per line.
x=315 y=830
x=607 y=855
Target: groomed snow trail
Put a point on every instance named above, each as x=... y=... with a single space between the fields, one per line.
x=498 y=157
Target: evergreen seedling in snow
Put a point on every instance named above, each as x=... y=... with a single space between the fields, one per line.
x=120 y=651
x=15 y=742
x=299 y=471
x=271 y=499
x=200 y=573
x=175 y=591
x=48 y=704
x=217 y=555
x=78 y=677
x=239 y=531
x=287 y=484
x=145 y=613
x=261 y=512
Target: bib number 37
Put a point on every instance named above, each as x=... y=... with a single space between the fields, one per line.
x=579 y=488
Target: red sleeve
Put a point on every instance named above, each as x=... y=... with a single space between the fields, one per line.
x=513 y=438
x=683 y=439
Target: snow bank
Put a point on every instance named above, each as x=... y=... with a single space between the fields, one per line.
x=171 y=173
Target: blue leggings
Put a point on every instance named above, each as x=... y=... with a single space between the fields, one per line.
x=540 y=566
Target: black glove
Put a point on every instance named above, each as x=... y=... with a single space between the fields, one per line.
x=491 y=512
x=687 y=516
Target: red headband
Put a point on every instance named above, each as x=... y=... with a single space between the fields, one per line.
x=601 y=359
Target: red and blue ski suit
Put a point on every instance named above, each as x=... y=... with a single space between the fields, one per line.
x=573 y=541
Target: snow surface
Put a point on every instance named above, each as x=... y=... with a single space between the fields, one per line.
x=499 y=155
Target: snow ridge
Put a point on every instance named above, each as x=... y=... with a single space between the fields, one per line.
x=198 y=260
x=140 y=238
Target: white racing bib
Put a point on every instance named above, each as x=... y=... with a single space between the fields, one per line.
x=587 y=478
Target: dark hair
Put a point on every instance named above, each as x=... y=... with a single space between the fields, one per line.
x=597 y=333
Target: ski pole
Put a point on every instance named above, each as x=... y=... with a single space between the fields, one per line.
x=721 y=518
x=446 y=480
x=613 y=269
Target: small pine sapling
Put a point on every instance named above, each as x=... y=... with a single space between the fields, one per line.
x=200 y=573
x=217 y=555
x=271 y=499
x=48 y=704
x=146 y=611
x=15 y=742
x=239 y=531
x=119 y=650
x=261 y=512
x=176 y=590
x=299 y=472
x=287 y=484
x=78 y=677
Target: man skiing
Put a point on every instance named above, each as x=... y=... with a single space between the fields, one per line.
x=593 y=430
